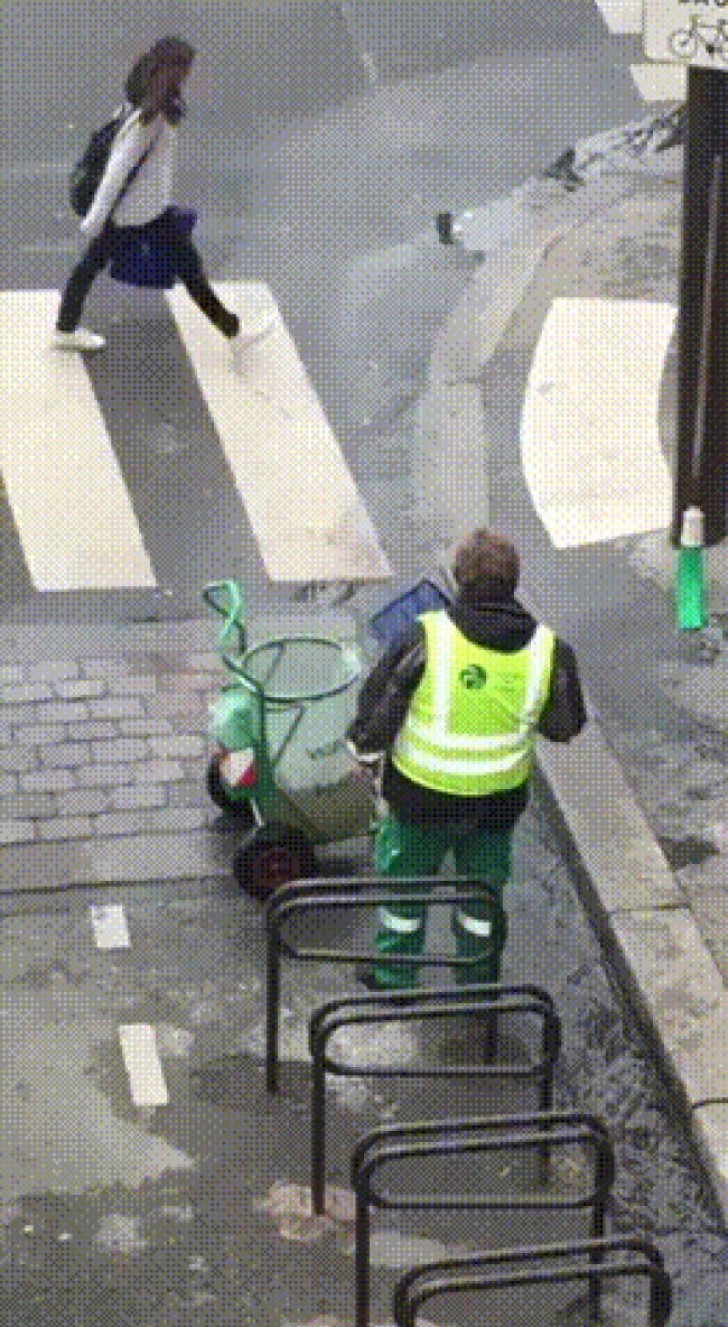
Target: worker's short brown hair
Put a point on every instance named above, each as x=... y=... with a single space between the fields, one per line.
x=486 y=567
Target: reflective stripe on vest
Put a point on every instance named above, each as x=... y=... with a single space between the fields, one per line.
x=471 y=724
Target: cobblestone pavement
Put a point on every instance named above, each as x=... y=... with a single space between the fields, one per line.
x=103 y=753
x=97 y=748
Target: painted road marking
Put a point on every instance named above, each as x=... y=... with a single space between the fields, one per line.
x=660 y=82
x=146 y=1080
x=621 y=15
x=73 y=513
x=301 y=499
x=110 y=928
x=590 y=445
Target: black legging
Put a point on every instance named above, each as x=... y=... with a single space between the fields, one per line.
x=186 y=261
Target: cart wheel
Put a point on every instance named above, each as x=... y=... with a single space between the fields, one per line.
x=275 y=855
x=242 y=811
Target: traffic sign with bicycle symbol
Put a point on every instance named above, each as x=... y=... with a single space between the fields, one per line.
x=688 y=31
x=687 y=42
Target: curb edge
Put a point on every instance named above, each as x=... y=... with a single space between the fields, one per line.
x=610 y=903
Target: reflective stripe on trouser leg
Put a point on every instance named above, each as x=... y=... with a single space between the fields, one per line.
x=402 y=850
x=399 y=923
x=479 y=934
x=400 y=932
x=485 y=856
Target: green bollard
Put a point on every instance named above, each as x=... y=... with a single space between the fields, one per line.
x=692 y=609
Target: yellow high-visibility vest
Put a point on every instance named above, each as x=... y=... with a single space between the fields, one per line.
x=470 y=728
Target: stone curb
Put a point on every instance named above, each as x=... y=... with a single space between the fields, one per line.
x=648 y=933
x=625 y=881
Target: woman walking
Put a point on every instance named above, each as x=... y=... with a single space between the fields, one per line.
x=131 y=210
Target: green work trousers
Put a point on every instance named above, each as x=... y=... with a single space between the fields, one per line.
x=402 y=850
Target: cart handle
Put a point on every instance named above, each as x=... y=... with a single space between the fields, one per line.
x=233 y=611
x=348 y=653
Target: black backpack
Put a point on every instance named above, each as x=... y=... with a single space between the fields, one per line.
x=86 y=174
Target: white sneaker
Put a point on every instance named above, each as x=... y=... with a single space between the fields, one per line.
x=245 y=340
x=81 y=339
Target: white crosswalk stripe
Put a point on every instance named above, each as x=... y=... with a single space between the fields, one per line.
x=660 y=82
x=69 y=500
x=299 y=494
x=655 y=81
x=621 y=16
x=73 y=513
x=590 y=446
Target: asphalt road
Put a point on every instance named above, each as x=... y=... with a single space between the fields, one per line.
x=322 y=140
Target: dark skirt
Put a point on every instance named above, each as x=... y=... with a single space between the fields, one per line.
x=155 y=254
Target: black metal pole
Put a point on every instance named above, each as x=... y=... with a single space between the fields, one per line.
x=660 y=1298
x=362 y=1252
x=318 y=1124
x=704 y=485
x=272 y=1006
x=551 y=1045
x=604 y=1180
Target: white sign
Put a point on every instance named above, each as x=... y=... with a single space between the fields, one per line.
x=688 y=31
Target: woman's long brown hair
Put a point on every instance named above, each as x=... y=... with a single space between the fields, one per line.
x=172 y=49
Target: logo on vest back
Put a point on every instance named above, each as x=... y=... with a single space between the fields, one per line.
x=473 y=677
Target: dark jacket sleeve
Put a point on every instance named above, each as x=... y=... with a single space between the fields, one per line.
x=385 y=695
x=564 y=714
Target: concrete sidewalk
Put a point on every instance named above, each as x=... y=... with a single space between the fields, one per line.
x=643 y=794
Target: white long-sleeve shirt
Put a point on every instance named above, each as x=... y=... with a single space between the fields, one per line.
x=150 y=192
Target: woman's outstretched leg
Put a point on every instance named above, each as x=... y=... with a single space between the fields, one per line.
x=191 y=272
x=68 y=334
